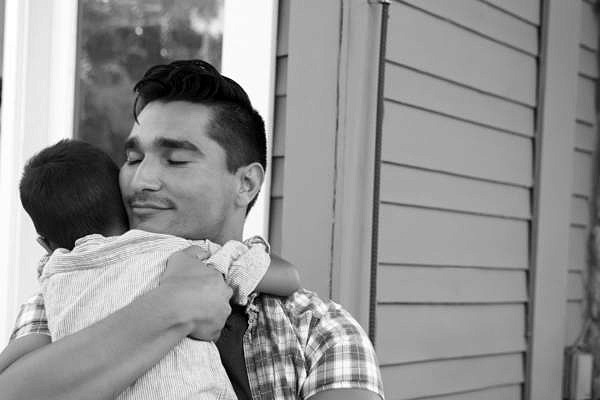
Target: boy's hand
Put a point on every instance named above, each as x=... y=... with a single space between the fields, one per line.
x=199 y=292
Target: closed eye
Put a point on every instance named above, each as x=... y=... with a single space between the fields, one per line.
x=173 y=162
x=133 y=158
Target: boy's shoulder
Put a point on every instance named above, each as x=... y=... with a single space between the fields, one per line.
x=94 y=247
x=132 y=237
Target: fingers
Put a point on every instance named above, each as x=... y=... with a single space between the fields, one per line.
x=197 y=252
x=228 y=292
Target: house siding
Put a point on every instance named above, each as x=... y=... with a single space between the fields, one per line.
x=474 y=188
x=279 y=117
x=460 y=100
x=584 y=159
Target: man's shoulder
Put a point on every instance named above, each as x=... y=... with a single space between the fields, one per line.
x=300 y=302
x=306 y=307
x=330 y=343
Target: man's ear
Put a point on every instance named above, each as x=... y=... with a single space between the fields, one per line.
x=250 y=178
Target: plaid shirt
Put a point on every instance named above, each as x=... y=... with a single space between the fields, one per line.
x=294 y=347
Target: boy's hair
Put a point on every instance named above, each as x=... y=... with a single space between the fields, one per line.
x=235 y=126
x=71 y=190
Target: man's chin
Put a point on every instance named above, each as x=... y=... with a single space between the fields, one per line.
x=149 y=225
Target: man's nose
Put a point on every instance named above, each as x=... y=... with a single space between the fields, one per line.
x=147 y=176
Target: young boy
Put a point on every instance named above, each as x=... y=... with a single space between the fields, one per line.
x=71 y=192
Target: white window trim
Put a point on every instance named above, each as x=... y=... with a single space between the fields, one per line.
x=37 y=110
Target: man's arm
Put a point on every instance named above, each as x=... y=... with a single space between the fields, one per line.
x=342 y=360
x=102 y=360
x=19 y=347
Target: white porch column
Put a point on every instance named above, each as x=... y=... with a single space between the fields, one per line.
x=37 y=109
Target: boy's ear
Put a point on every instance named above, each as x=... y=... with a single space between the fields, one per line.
x=44 y=243
x=250 y=178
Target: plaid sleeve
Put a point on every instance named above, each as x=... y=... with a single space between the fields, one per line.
x=340 y=355
x=31 y=318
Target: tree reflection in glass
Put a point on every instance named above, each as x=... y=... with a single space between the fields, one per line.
x=118 y=40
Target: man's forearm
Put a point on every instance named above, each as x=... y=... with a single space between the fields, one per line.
x=100 y=361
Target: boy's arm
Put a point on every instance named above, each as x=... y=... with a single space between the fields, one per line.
x=251 y=269
x=281 y=279
x=102 y=360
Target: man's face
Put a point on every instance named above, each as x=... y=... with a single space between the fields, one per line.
x=175 y=179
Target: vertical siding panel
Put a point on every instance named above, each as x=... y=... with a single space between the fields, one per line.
x=275 y=218
x=559 y=105
x=584 y=156
x=279 y=126
x=279 y=118
x=311 y=79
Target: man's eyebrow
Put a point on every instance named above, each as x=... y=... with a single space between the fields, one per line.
x=176 y=144
x=132 y=144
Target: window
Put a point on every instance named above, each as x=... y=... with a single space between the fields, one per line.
x=118 y=41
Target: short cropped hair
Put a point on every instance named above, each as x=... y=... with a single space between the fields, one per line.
x=236 y=126
x=71 y=190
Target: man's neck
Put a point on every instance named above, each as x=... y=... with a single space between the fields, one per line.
x=116 y=230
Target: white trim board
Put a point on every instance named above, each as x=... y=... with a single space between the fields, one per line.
x=552 y=206
x=38 y=92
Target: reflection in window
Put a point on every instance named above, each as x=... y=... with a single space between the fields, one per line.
x=118 y=41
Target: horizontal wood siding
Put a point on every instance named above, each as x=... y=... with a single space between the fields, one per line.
x=585 y=136
x=586 y=90
x=406 y=284
x=445 y=377
x=589 y=26
x=279 y=126
x=455 y=198
x=575 y=286
x=417 y=89
x=496 y=69
x=528 y=10
x=438 y=188
x=508 y=392
x=584 y=159
x=588 y=62
x=582 y=173
x=414 y=235
x=574 y=321
x=485 y=20
x=577 y=248
x=439 y=143
x=468 y=330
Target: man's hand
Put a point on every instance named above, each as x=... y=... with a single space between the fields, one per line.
x=200 y=292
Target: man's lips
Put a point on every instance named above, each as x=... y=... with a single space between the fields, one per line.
x=141 y=208
x=146 y=204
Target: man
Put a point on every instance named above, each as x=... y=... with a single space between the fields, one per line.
x=195 y=163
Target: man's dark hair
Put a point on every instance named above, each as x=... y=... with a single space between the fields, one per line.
x=71 y=190
x=236 y=126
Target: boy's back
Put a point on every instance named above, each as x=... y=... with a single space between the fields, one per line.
x=103 y=274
